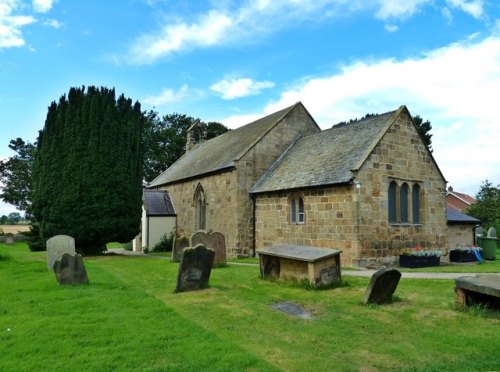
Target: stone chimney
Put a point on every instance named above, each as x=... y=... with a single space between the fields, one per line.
x=195 y=134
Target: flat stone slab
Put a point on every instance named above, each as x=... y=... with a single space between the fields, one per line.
x=482 y=289
x=292 y=309
x=485 y=284
x=299 y=252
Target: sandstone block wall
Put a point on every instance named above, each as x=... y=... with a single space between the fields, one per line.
x=221 y=209
x=460 y=236
x=401 y=157
x=330 y=220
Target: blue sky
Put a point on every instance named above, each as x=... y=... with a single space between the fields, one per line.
x=234 y=61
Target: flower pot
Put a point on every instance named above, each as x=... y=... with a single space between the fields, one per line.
x=418 y=261
x=459 y=255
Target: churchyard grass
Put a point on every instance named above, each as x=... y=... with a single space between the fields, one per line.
x=129 y=318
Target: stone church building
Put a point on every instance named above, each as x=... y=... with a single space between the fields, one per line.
x=368 y=188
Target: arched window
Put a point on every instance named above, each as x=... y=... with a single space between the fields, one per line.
x=415 y=201
x=403 y=203
x=200 y=209
x=297 y=214
x=392 y=202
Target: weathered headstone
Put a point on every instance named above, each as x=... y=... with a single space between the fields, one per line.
x=9 y=238
x=69 y=269
x=217 y=242
x=178 y=246
x=199 y=237
x=195 y=268
x=382 y=286
x=479 y=231
x=492 y=233
x=57 y=246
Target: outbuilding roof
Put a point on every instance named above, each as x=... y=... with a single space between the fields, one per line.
x=158 y=203
x=454 y=216
x=328 y=157
x=220 y=153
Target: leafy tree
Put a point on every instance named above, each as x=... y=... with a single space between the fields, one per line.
x=423 y=127
x=487 y=207
x=14 y=218
x=165 y=140
x=15 y=175
x=87 y=172
x=4 y=220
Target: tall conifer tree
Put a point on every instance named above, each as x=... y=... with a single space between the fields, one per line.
x=87 y=172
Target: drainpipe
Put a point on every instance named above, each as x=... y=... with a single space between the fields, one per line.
x=253 y=225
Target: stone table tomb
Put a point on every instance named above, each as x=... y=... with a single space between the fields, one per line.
x=319 y=266
x=478 y=290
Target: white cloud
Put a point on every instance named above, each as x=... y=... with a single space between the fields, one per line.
x=42 y=6
x=391 y=28
x=166 y=96
x=54 y=23
x=230 y=23
x=237 y=88
x=399 y=8
x=473 y=7
x=11 y=24
x=455 y=87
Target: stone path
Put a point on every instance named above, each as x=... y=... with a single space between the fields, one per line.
x=367 y=273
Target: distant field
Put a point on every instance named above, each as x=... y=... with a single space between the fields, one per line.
x=14 y=229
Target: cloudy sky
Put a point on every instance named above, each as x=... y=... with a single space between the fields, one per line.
x=233 y=61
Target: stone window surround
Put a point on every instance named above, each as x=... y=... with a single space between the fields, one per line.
x=296 y=215
x=410 y=202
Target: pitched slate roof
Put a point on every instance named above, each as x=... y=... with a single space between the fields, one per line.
x=456 y=217
x=327 y=157
x=158 y=203
x=221 y=152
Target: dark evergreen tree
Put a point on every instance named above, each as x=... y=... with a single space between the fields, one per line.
x=165 y=140
x=424 y=129
x=87 y=172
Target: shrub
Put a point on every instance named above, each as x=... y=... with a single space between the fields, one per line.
x=165 y=244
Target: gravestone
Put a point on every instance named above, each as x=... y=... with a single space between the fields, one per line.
x=178 y=246
x=292 y=309
x=195 y=268
x=9 y=238
x=492 y=233
x=69 y=269
x=217 y=242
x=382 y=286
x=199 y=237
x=57 y=246
x=479 y=231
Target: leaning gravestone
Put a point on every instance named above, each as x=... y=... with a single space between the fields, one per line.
x=195 y=268
x=9 y=239
x=492 y=233
x=217 y=242
x=178 y=246
x=57 y=246
x=382 y=286
x=69 y=269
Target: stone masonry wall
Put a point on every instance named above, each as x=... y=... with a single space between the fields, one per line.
x=256 y=161
x=330 y=220
x=460 y=236
x=355 y=219
x=221 y=209
x=400 y=156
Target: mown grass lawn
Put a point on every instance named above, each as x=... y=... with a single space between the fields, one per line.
x=128 y=318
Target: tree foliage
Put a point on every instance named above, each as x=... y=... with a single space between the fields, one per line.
x=15 y=175
x=487 y=207
x=165 y=140
x=423 y=127
x=87 y=171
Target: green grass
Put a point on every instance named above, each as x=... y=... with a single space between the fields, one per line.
x=160 y=254
x=128 y=318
